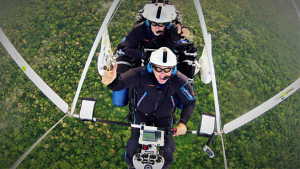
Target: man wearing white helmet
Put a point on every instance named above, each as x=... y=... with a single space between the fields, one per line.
x=159 y=86
x=141 y=14
x=157 y=31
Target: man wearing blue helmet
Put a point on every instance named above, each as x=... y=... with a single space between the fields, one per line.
x=159 y=86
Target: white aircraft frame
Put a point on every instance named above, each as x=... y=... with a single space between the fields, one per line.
x=64 y=107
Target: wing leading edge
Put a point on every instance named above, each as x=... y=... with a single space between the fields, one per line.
x=59 y=102
x=261 y=109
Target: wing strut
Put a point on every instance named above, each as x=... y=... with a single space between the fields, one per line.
x=92 y=52
x=208 y=46
x=60 y=103
x=261 y=109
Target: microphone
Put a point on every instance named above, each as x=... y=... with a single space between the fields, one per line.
x=167 y=77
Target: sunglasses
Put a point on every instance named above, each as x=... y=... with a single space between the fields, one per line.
x=158 y=69
x=158 y=24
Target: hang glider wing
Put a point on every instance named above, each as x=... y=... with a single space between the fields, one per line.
x=261 y=109
x=59 y=102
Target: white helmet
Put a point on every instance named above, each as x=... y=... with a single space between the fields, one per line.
x=163 y=57
x=159 y=14
x=150 y=7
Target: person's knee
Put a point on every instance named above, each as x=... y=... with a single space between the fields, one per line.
x=132 y=147
x=168 y=150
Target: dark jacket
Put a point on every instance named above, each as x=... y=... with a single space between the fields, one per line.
x=140 y=37
x=150 y=97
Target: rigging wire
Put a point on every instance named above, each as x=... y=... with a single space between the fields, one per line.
x=16 y=164
x=294 y=4
x=114 y=13
x=224 y=153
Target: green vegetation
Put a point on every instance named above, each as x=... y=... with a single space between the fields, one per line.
x=256 y=55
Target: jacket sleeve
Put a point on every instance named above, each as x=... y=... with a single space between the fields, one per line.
x=187 y=97
x=126 y=80
x=132 y=42
x=174 y=37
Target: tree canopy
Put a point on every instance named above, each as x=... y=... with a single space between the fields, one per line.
x=256 y=55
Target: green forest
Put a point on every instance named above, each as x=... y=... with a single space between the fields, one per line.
x=256 y=55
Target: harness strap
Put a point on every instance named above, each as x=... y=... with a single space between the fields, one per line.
x=124 y=63
x=189 y=62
